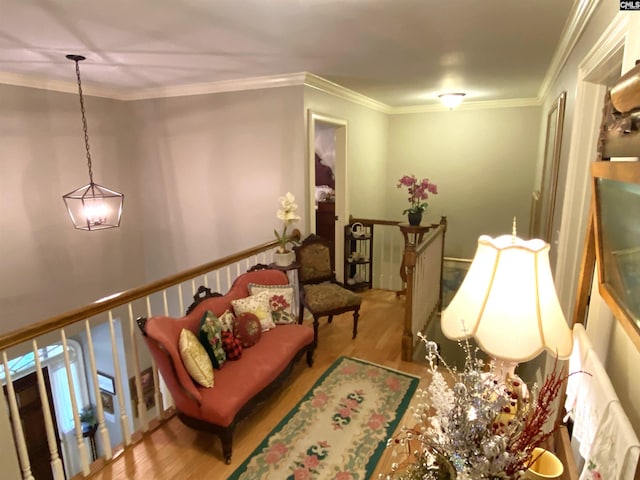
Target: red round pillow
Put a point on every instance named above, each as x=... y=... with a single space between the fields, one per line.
x=247 y=329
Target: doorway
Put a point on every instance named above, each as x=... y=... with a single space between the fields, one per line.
x=328 y=205
x=33 y=423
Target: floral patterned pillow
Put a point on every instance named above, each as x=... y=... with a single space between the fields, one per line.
x=280 y=301
x=211 y=338
x=247 y=329
x=227 y=319
x=259 y=306
x=232 y=345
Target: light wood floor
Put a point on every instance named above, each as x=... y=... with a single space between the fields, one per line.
x=174 y=451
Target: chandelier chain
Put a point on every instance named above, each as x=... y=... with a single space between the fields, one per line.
x=84 y=124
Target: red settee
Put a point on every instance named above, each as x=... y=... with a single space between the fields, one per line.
x=240 y=384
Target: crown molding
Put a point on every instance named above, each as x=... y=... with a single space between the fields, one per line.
x=324 y=85
x=581 y=12
x=509 y=103
x=253 y=83
x=62 y=86
x=611 y=40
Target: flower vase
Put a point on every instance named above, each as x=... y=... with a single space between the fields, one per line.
x=545 y=465
x=284 y=259
x=415 y=218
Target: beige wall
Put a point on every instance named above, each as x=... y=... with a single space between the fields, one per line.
x=483 y=162
x=48 y=267
x=213 y=168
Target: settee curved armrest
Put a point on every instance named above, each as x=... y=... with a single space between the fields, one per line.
x=161 y=335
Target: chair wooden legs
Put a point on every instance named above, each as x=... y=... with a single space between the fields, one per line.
x=316 y=323
x=356 y=314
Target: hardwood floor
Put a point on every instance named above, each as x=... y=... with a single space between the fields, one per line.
x=174 y=451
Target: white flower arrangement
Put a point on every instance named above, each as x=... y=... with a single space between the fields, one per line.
x=288 y=216
x=474 y=427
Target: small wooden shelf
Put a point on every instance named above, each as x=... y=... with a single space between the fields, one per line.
x=358 y=269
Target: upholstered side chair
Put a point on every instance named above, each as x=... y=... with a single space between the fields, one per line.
x=320 y=292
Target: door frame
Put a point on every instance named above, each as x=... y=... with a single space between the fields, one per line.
x=340 y=172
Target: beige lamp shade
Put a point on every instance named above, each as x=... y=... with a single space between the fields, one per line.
x=508 y=302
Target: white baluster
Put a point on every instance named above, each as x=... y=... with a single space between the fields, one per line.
x=218 y=289
x=142 y=411
x=124 y=422
x=165 y=303
x=82 y=448
x=56 y=463
x=193 y=286
x=205 y=280
x=102 y=427
x=180 y=299
x=228 y=270
x=23 y=454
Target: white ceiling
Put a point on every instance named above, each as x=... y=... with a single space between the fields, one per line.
x=398 y=52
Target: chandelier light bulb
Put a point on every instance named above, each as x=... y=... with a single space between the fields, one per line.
x=95 y=212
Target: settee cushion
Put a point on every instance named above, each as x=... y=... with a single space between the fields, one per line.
x=195 y=358
x=210 y=334
x=280 y=301
x=260 y=365
x=258 y=305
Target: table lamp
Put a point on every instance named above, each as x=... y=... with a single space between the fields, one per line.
x=508 y=304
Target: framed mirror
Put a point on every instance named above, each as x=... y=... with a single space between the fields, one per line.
x=543 y=203
x=616 y=207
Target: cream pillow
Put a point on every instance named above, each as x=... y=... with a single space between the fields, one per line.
x=195 y=358
x=259 y=306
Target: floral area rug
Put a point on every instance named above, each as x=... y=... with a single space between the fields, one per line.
x=338 y=430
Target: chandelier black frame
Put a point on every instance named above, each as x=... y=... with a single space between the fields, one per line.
x=92 y=206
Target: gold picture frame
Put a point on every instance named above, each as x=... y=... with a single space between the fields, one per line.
x=148 y=390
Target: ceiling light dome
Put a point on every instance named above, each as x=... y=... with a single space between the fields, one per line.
x=451 y=100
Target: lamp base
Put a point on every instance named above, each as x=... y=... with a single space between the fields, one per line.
x=506 y=380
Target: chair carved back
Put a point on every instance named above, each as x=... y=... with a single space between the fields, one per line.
x=314 y=257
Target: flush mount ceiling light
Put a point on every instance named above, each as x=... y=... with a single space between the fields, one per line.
x=92 y=207
x=451 y=100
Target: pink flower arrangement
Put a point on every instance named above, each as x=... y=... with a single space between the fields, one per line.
x=419 y=191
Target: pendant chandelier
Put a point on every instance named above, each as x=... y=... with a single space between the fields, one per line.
x=92 y=207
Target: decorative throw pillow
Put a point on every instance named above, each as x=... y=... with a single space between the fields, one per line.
x=258 y=305
x=227 y=319
x=247 y=329
x=280 y=301
x=211 y=338
x=195 y=358
x=232 y=346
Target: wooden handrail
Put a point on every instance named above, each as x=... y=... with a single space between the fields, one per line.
x=370 y=221
x=112 y=301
